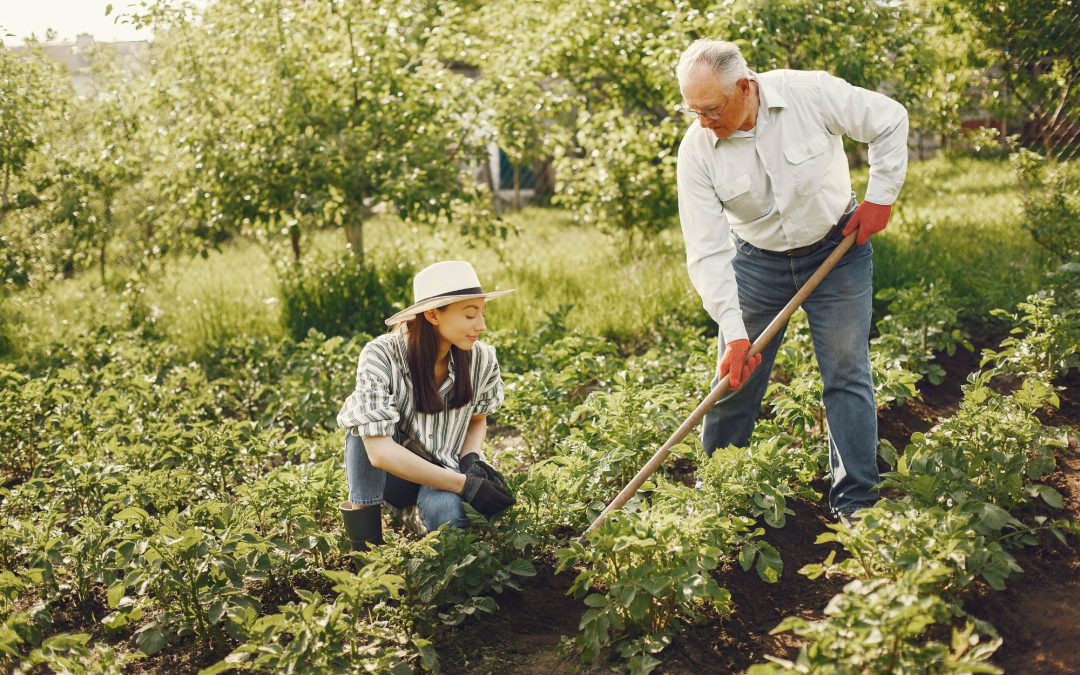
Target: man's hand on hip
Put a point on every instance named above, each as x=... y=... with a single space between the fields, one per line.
x=869 y=218
x=736 y=364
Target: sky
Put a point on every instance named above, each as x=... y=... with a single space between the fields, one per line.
x=69 y=18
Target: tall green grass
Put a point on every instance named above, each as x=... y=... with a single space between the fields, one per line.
x=958 y=221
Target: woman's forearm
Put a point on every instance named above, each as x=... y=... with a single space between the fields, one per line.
x=474 y=435
x=387 y=455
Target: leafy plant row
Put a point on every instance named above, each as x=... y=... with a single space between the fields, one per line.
x=168 y=499
x=966 y=492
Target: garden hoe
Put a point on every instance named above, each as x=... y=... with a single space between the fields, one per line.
x=722 y=387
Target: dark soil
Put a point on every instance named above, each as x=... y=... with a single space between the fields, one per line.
x=523 y=637
x=1038 y=615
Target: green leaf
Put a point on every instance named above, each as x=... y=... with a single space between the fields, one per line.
x=131 y=513
x=151 y=640
x=595 y=600
x=1051 y=496
x=769 y=564
x=522 y=568
x=995 y=517
x=116 y=594
x=746 y=556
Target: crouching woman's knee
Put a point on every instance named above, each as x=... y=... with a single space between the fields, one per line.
x=439 y=507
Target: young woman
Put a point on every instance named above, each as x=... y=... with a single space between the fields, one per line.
x=416 y=421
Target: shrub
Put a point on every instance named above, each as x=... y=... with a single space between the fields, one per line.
x=341 y=296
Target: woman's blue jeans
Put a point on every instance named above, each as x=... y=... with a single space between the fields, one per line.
x=369 y=486
x=839 y=311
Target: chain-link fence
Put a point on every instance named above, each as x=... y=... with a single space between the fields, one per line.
x=1030 y=88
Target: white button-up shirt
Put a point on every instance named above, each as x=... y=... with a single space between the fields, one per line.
x=784 y=183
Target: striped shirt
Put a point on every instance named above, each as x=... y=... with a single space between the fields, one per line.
x=383 y=403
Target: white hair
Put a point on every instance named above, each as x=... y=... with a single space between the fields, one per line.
x=723 y=58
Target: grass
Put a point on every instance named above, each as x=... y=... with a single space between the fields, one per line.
x=958 y=221
x=553 y=262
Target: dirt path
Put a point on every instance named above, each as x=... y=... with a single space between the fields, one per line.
x=1038 y=614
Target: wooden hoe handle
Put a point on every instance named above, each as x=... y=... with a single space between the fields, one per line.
x=722 y=387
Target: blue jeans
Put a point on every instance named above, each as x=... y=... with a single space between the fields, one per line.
x=369 y=486
x=839 y=312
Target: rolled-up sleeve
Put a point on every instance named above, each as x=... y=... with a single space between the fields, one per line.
x=370 y=409
x=489 y=395
x=709 y=249
x=869 y=117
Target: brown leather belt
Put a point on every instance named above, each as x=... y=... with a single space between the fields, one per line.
x=810 y=248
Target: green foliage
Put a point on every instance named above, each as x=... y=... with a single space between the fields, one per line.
x=289 y=508
x=193 y=567
x=921 y=322
x=641 y=572
x=616 y=432
x=757 y=481
x=449 y=573
x=360 y=630
x=1051 y=203
x=341 y=296
x=1031 y=42
x=269 y=134
x=95 y=161
x=880 y=625
x=30 y=86
x=990 y=452
x=1044 y=341
x=540 y=401
x=70 y=653
x=624 y=179
x=809 y=35
x=895 y=538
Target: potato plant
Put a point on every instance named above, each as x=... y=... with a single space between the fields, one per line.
x=643 y=572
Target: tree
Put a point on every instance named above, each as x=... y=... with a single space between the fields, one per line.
x=522 y=105
x=618 y=168
x=94 y=158
x=1034 y=43
x=285 y=112
x=31 y=86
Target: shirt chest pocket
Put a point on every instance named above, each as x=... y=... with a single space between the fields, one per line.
x=808 y=162
x=732 y=189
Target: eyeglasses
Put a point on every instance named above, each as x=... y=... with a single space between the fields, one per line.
x=708 y=114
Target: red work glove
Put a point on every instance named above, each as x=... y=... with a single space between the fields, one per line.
x=870 y=218
x=736 y=354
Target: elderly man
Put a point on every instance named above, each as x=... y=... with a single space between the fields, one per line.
x=764 y=197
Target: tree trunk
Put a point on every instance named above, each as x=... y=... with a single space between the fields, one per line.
x=545 y=181
x=106 y=231
x=4 y=195
x=294 y=240
x=517 y=188
x=489 y=180
x=354 y=237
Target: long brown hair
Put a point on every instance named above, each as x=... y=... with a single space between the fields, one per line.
x=421 y=352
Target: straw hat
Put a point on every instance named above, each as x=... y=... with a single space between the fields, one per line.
x=442 y=284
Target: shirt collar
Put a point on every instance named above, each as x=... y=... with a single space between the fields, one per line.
x=769 y=96
x=446 y=385
x=769 y=92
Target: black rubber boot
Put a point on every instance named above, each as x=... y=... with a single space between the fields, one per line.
x=363 y=526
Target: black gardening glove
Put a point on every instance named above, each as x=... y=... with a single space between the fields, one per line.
x=487 y=496
x=489 y=472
